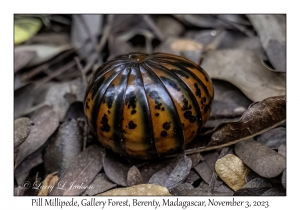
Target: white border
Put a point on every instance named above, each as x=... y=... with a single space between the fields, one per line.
x=153 y=6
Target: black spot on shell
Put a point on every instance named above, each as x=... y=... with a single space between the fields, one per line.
x=188 y=115
x=206 y=108
x=167 y=125
x=182 y=124
x=132 y=125
x=163 y=133
x=105 y=127
x=133 y=111
x=204 y=99
x=186 y=105
x=157 y=106
x=108 y=111
x=156 y=114
x=163 y=109
x=130 y=100
x=170 y=82
x=198 y=92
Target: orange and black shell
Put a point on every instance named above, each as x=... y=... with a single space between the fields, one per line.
x=146 y=106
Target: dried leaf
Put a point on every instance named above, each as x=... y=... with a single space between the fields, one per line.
x=25 y=28
x=45 y=123
x=75 y=111
x=85 y=30
x=203 y=21
x=282 y=150
x=195 y=158
x=48 y=184
x=228 y=100
x=232 y=171
x=260 y=117
x=22 y=58
x=138 y=190
x=43 y=52
x=272 y=32
x=22 y=127
x=23 y=169
x=63 y=147
x=261 y=159
x=174 y=173
x=283 y=178
x=151 y=168
x=275 y=191
x=100 y=184
x=244 y=69
x=81 y=173
x=116 y=168
x=273 y=138
x=134 y=176
x=258 y=183
x=184 y=47
x=192 y=177
x=207 y=166
x=169 y=26
x=250 y=191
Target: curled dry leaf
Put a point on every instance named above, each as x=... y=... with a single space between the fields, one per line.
x=174 y=173
x=244 y=69
x=63 y=147
x=232 y=171
x=260 y=117
x=23 y=169
x=81 y=173
x=116 y=168
x=184 y=47
x=273 y=138
x=142 y=189
x=45 y=123
x=272 y=32
x=100 y=184
x=22 y=127
x=207 y=166
x=134 y=176
x=48 y=184
x=22 y=59
x=43 y=52
x=261 y=159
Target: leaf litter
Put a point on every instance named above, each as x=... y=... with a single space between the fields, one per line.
x=230 y=48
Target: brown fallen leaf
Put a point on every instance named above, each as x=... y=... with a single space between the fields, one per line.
x=232 y=171
x=63 y=147
x=243 y=68
x=142 y=189
x=259 y=118
x=100 y=184
x=45 y=122
x=22 y=127
x=134 y=176
x=48 y=184
x=116 y=168
x=81 y=173
x=183 y=47
x=174 y=173
x=261 y=159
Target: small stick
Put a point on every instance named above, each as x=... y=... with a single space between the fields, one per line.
x=153 y=26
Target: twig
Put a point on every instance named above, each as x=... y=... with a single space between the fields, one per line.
x=56 y=73
x=37 y=70
x=81 y=70
x=153 y=26
x=106 y=33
